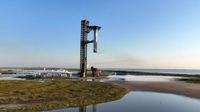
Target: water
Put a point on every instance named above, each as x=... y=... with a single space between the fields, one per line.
x=136 y=101
x=11 y=76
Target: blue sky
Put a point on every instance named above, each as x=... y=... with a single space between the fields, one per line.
x=134 y=34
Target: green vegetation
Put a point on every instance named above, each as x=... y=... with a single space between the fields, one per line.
x=35 y=95
x=161 y=74
x=191 y=80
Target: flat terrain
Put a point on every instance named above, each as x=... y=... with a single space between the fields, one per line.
x=181 y=84
x=175 y=87
x=39 y=95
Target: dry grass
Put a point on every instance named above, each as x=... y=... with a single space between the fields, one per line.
x=36 y=95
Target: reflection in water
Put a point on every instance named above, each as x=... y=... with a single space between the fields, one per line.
x=94 y=108
x=143 y=102
x=84 y=108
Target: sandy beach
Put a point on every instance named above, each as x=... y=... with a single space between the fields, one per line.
x=169 y=86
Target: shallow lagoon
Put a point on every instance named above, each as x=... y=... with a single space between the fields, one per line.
x=137 y=101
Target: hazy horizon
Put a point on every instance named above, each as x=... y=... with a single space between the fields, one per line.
x=142 y=34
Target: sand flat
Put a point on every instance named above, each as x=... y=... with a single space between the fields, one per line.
x=165 y=86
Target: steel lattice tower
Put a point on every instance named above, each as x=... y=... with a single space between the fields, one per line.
x=85 y=29
x=83 y=49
